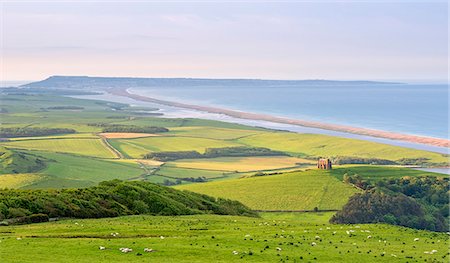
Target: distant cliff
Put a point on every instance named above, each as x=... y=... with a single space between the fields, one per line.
x=80 y=82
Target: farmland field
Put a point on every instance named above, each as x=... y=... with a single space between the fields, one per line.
x=90 y=147
x=322 y=145
x=289 y=191
x=244 y=164
x=136 y=147
x=211 y=238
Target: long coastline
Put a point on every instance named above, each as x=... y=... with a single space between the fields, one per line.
x=264 y=117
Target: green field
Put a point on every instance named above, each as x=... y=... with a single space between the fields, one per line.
x=176 y=172
x=210 y=238
x=328 y=146
x=289 y=191
x=375 y=173
x=135 y=148
x=89 y=147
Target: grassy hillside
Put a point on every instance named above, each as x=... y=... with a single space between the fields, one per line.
x=19 y=162
x=375 y=173
x=289 y=191
x=65 y=170
x=110 y=199
x=210 y=238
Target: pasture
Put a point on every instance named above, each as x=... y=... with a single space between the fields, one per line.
x=79 y=146
x=289 y=191
x=212 y=238
x=135 y=148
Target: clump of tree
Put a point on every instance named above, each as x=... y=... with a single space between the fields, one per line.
x=32 y=131
x=111 y=199
x=171 y=156
x=240 y=151
x=212 y=153
x=65 y=108
x=357 y=180
x=416 y=202
x=356 y=160
x=107 y=127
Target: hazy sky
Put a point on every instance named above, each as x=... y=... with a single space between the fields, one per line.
x=327 y=40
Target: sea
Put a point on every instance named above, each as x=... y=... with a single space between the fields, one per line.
x=403 y=108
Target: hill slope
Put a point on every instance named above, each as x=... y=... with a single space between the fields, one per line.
x=289 y=191
x=113 y=198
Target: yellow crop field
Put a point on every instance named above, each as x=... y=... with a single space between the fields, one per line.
x=243 y=164
x=18 y=180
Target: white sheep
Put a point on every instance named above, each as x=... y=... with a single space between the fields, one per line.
x=148 y=250
x=369 y=237
x=416 y=239
x=278 y=248
x=313 y=244
x=125 y=250
x=235 y=252
x=101 y=248
x=317 y=237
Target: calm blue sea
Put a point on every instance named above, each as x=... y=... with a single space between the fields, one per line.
x=411 y=109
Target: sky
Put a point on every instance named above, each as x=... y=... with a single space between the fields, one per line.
x=364 y=40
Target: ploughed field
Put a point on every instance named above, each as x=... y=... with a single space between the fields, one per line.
x=212 y=238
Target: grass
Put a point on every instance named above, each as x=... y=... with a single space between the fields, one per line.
x=90 y=147
x=328 y=146
x=18 y=180
x=135 y=148
x=375 y=173
x=212 y=238
x=289 y=191
x=176 y=172
x=242 y=164
x=65 y=170
x=212 y=132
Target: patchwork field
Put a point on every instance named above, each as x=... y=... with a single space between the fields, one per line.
x=135 y=148
x=244 y=164
x=125 y=135
x=90 y=147
x=212 y=132
x=176 y=172
x=210 y=238
x=289 y=191
x=323 y=145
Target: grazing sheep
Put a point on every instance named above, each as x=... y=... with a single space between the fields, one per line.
x=101 y=248
x=161 y=237
x=235 y=252
x=125 y=250
x=416 y=239
x=148 y=250
x=369 y=236
x=313 y=244
x=317 y=237
x=278 y=248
